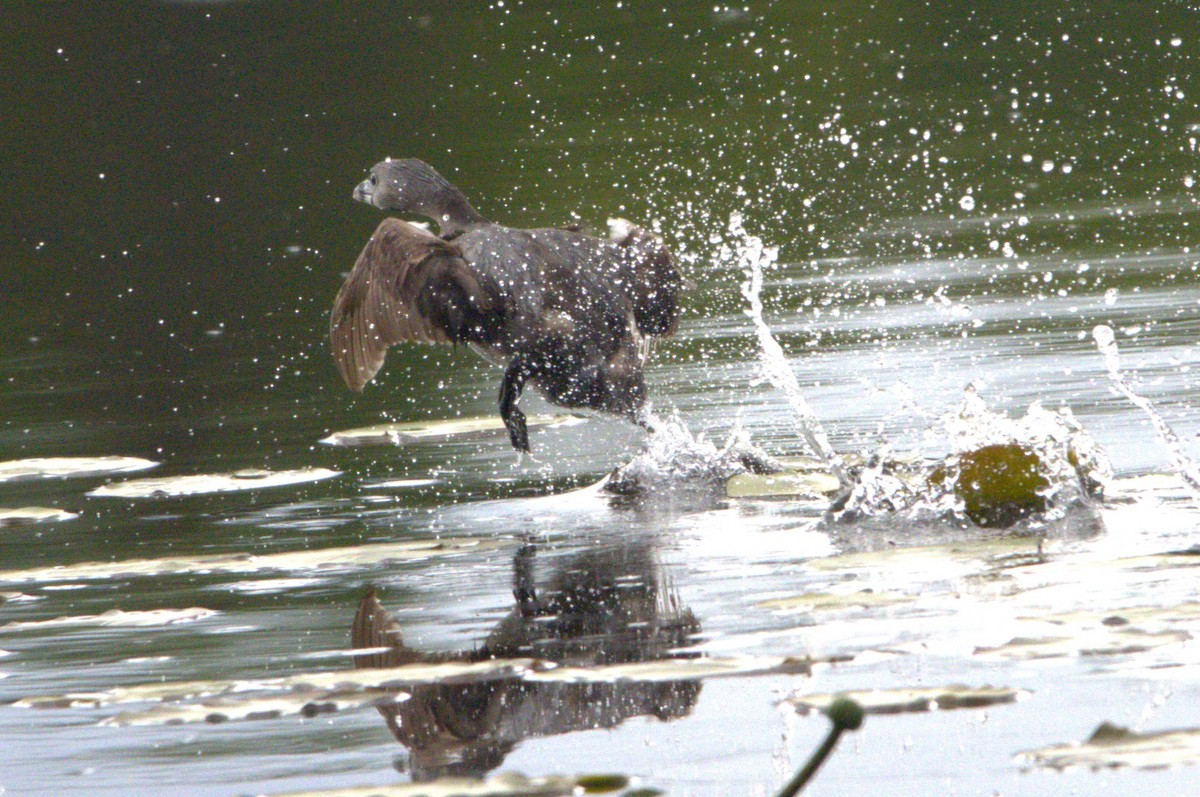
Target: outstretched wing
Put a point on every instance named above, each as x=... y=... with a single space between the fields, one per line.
x=653 y=283
x=407 y=285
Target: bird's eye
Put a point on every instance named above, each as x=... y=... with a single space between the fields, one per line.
x=374 y=180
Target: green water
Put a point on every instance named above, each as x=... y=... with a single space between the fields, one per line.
x=958 y=193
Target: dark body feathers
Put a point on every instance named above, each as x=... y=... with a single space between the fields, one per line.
x=565 y=311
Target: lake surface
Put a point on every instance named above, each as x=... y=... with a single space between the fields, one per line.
x=953 y=196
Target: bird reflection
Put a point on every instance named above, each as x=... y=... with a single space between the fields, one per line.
x=603 y=606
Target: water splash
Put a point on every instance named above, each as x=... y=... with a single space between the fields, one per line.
x=754 y=258
x=1107 y=344
x=674 y=458
x=1075 y=467
x=1040 y=472
x=1033 y=471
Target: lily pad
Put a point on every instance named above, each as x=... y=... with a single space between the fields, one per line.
x=289 y=561
x=958 y=557
x=1179 y=613
x=1106 y=641
x=836 y=601
x=344 y=683
x=789 y=483
x=400 y=484
x=903 y=701
x=18 y=597
x=506 y=784
x=225 y=709
x=65 y=467
x=1112 y=746
x=675 y=669
x=28 y=515
x=411 y=432
x=999 y=484
x=118 y=618
x=204 y=484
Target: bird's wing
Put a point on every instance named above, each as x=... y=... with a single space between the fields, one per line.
x=407 y=285
x=653 y=283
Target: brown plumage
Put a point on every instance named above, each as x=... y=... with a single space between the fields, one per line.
x=407 y=285
x=564 y=311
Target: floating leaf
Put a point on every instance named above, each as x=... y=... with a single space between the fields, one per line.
x=395 y=484
x=1105 y=641
x=18 y=597
x=28 y=515
x=831 y=602
x=308 y=703
x=1113 y=746
x=602 y=784
x=920 y=560
x=343 y=682
x=321 y=559
x=792 y=484
x=352 y=682
x=203 y=484
x=675 y=669
x=64 y=467
x=999 y=484
x=116 y=618
x=507 y=784
x=902 y=701
x=1183 y=612
x=438 y=431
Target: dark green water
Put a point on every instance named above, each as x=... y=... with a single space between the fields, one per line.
x=958 y=193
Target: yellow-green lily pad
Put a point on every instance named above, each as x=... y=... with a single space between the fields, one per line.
x=789 y=483
x=351 y=682
x=307 y=703
x=18 y=597
x=836 y=601
x=411 y=432
x=1000 y=484
x=506 y=784
x=64 y=467
x=204 y=484
x=903 y=701
x=28 y=515
x=288 y=561
x=962 y=556
x=1089 y=642
x=118 y=618
x=1179 y=613
x=1112 y=746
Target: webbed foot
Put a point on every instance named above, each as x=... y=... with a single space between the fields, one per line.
x=510 y=393
x=517 y=433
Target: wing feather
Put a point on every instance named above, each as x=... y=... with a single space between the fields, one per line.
x=407 y=285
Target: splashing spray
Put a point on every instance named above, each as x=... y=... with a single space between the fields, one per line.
x=1107 y=344
x=754 y=258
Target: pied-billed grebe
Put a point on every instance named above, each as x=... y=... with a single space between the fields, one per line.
x=564 y=311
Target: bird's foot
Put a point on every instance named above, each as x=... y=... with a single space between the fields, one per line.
x=518 y=434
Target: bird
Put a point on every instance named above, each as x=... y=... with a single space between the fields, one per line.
x=569 y=313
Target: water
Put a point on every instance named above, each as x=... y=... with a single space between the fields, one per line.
x=754 y=258
x=1106 y=342
x=958 y=196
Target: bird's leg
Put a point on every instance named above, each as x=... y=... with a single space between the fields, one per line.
x=510 y=394
x=643 y=417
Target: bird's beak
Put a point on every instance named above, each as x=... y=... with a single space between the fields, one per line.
x=364 y=191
